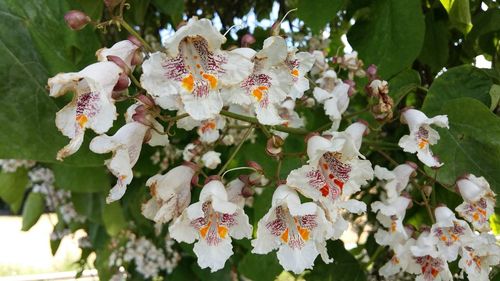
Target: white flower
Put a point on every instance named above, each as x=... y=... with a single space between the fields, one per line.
x=299 y=64
x=211 y=221
x=448 y=233
x=126 y=146
x=211 y=159
x=194 y=68
x=334 y=95
x=208 y=130
x=335 y=169
x=267 y=86
x=171 y=194
x=299 y=231
x=479 y=201
x=320 y=65
x=125 y=49
x=432 y=266
x=397 y=179
x=92 y=106
x=402 y=260
x=391 y=214
x=479 y=253
x=422 y=136
x=234 y=189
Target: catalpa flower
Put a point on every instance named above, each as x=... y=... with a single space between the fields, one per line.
x=267 y=86
x=195 y=68
x=391 y=214
x=126 y=146
x=298 y=64
x=431 y=265
x=171 y=194
x=209 y=130
x=402 y=260
x=298 y=231
x=479 y=201
x=479 y=253
x=334 y=94
x=448 y=233
x=92 y=106
x=397 y=179
x=335 y=169
x=422 y=136
x=212 y=221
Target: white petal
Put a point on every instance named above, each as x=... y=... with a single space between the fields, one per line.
x=153 y=79
x=124 y=49
x=182 y=231
x=201 y=108
x=297 y=260
x=213 y=256
x=237 y=68
x=242 y=228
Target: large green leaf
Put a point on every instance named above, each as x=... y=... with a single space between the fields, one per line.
x=403 y=83
x=457 y=82
x=390 y=36
x=12 y=187
x=81 y=179
x=33 y=209
x=471 y=145
x=316 y=14
x=260 y=267
x=173 y=8
x=459 y=13
x=34 y=44
x=435 y=50
x=344 y=267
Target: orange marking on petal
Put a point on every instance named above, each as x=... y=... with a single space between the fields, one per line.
x=188 y=83
x=434 y=272
x=222 y=230
x=325 y=166
x=82 y=120
x=204 y=230
x=444 y=238
x=482 y=212
x=395 y=260
x=454 y=237
x=257 y=94
x=304 y=233
x=208 y=126
x=211 y=79
x=422 y=143
x=198 y=65
x=295 y=72
x=475 y=216
x=393 y=226
x=325 y=190
x=284 y=236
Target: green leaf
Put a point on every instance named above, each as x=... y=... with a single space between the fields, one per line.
x=344 y=267
x=457 y=82
x=485 y=25
x=28 y=55
x=33 y=209
x=86 y=179
x=403 y=83
x=459 y=13
x=205 y=274
x=113 y=218
x=316 y=14
x=12 y=187
x=435 y=50
x=495 y=96
x=260 y=267
x=390 y=36
x=89 y=205
x=173 y=8
x=471 y=145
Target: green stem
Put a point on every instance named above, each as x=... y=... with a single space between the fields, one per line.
x=374 y=256
x=247 y=133
x=254 y=121
x=132 y=31
x=135 y=81
x=173 y=118
x=426 y=200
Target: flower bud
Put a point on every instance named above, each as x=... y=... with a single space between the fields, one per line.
x=371 y=72
x=76 y=20
x=256 y=166
x=122 y=83
x=427 y=189
x=118 y=61
x=146 y=100
x=274 y=145
x=247 y=40
x=137 y=58
x=134 y=40
x=111 y=4
x=309 y=102
x=247 y=191
x=352 y=87
x=142 y=118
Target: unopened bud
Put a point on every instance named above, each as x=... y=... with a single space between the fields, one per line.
x=118 y=61
x=256 y=166
x=247 y=191
x=146 y=100
x=276 y=28
x=247 y=40
x=352 y=87
x=371 y=72
x=309 y=102
x=111 y=4
x=274 y=145
x=194 y=179
x=76 y=20
x=137 y=58
x=427 y=189
x=122 y=83
x=141 y=118
x=134 y=40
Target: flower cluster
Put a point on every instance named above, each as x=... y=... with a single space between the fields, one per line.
x=11 y=165
x=223 y=95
